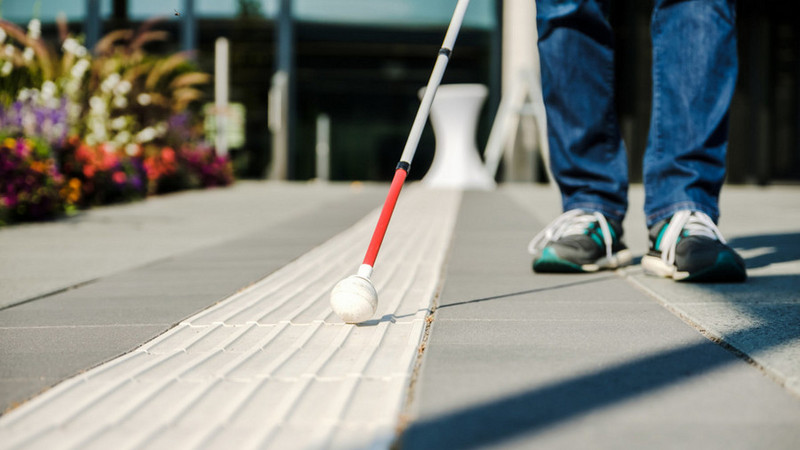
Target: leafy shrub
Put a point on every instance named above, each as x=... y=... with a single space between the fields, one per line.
x=31 y=186
x=102 y=174
x=83 y=128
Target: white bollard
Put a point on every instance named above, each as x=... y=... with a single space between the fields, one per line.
x=323 y=147
x=454 y=115
x=221 y=94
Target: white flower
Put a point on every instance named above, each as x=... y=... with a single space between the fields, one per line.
x=98 y=130
x=70 y=45
x=72 y=87
x=34 y=28
x=2 y=35
x=74 y=110
x=6 y=69
x=79 y=68
x=9 y=50
x=29 y=123
x=109 y=83
x=74 y=47
x=48 y=90
x=131 y=149
x=144 y=99
x=97 y=105
x=146 y=135
x=52 y=102
x=122 y=137
x=28 y=54
x=24 y=94
x=118 y=123
x=123 y=87
x=58 y=129
x=120 y=101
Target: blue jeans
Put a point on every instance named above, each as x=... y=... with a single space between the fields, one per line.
x=694 y=74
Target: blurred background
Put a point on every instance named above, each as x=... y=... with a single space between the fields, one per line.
x=353 y=68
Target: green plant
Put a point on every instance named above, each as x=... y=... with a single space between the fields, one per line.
x=121 y=120
x=30 y=182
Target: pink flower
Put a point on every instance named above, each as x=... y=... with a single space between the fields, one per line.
x=168 y=155
x=23 y=149
x=119 y=177
x=10 y=201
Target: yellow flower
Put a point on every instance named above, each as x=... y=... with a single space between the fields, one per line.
x=71 y=192
x=38 y=166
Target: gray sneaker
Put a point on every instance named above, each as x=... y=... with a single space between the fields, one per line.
x=579 y=241
x=689 y=247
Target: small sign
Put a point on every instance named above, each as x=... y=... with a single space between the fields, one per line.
x=233 y=116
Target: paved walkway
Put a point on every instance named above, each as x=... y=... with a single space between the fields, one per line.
x=200 y=320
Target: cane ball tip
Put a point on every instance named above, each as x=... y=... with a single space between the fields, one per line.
x=354 y=299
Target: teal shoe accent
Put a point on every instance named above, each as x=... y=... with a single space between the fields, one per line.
x=551 y=263
x=725 y=269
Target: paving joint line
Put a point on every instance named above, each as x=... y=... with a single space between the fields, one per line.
x=405 y=416
x=50 y=294
x=779 y=378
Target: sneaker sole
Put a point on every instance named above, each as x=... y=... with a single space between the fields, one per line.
x=551 y=263
x=725 y=269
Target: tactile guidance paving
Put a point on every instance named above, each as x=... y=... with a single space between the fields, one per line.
x=272 y=366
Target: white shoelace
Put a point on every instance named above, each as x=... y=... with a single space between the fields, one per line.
x=695 y=223
x=572 y=222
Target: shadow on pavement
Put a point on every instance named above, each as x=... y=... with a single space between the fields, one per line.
x=534 y=411
x=529 y=291
x=769 y=306
x=778 y=248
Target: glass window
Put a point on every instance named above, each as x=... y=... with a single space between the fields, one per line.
x=22 y=11
x=480 y=13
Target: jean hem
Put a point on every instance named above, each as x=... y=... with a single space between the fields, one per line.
x=668 y=211
x=606 y=210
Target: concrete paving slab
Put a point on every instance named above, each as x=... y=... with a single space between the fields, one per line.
x=271 y=365
x=760 y=318
x=147 y=300
x=42 y=258
x=761 y=224
x=33 y=359
x=566 y=372
x=513 y=360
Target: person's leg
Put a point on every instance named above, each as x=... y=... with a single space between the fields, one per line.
x=694 y=75
x=587 y=156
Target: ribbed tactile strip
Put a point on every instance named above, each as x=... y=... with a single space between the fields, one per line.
x=271 y=366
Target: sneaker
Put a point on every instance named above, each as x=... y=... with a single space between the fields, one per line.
x=579 y=241
x=689 y=247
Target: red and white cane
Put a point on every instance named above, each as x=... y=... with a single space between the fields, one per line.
x=354 y=299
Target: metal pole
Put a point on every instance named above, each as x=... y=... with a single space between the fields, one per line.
x=188 y=26
x=284 y=69
x=119 y=14
x=92 y=23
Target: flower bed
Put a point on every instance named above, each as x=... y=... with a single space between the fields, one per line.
x=82 y=128
x=38 y=183
x=30 y=183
